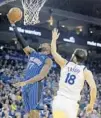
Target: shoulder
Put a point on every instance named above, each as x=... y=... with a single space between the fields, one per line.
x=49 y=61
x=87 y=73
x=28 y=50
x=32 y=54
x=65 y=64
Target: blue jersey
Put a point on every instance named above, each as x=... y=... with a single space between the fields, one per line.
x=35 y=64
x=30 y=92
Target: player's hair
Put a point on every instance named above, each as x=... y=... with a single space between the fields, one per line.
x=81 y=55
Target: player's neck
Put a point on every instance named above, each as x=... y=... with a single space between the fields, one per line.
x=75 y=62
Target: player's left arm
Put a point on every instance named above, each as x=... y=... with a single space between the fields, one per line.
x=45 y=70
x=26 y=48
x=20 y=38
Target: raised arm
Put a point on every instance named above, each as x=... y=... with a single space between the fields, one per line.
x=20 y=39
x=57 y=57
x=93 y=90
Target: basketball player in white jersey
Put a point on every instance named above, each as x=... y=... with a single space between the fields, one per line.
x=73 y=76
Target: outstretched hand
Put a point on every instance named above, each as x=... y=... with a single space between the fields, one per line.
x=55 y=34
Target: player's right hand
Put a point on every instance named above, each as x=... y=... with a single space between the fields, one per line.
x=11 y=20
x=55 y=34
x=89 y=108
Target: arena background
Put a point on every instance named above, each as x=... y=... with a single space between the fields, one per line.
x=79 y=23
x=71 y=15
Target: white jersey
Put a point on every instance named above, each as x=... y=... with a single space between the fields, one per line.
x=71 y=81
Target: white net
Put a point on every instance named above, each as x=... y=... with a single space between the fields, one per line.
x=31 y=11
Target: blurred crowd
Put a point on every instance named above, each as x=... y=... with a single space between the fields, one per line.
x=12 y=64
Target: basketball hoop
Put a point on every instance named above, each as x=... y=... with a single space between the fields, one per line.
x=31 y=11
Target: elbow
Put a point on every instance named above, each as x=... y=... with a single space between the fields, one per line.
x=94 y=90
x=42 y=77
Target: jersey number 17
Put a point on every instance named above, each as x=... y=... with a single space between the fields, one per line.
x=70 y=79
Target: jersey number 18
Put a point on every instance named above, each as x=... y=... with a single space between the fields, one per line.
x=70 y=79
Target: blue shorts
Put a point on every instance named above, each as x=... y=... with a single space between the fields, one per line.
x=30 y=97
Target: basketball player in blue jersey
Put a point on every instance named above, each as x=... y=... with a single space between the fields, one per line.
x=73 y=76
x=37 y=69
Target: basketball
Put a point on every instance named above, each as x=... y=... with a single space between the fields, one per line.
x=14 y=14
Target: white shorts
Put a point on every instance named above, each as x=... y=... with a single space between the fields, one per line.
x=65 y=105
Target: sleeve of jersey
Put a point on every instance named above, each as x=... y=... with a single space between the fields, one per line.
x=19 y=37
x=33 y=53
